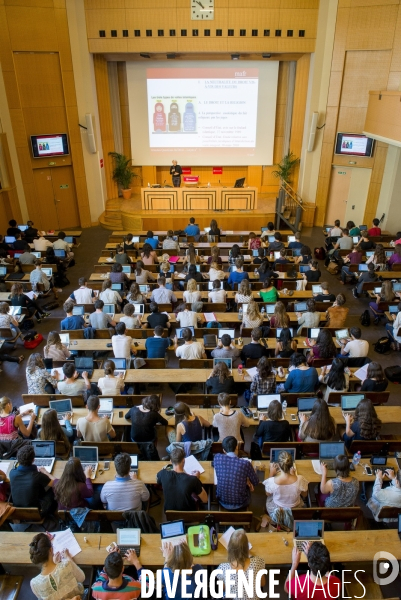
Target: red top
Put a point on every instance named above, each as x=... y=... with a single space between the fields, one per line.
x=8 y=431
x=374 y=231
x=332 y=589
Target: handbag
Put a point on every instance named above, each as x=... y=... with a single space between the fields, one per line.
x=35 y=341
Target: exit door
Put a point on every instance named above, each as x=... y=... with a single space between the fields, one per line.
x=57 y=199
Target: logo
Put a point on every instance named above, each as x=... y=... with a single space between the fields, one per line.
x=385 y=563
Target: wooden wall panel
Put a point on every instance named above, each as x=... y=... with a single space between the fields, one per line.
x=32 y=28
x=371 y=27
x=298 y=111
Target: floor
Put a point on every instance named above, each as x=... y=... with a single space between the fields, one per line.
x=91 y=243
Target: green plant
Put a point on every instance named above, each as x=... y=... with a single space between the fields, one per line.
x=285 y=167
x=122 y=172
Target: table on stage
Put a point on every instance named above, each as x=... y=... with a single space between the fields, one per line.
x=199 y=198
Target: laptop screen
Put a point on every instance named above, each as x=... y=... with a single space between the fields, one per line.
x=305 y=403
x=376 y=290
x=280 y=329
x=269 y=309
x=15 y=310
x=37 y=254
x=128 y=537
x=139 y=309
x=65 y=338
x=17 y=255
x=3 y=271
x=351 y=402
x=265 y=399
x=143 y=289
x=271 y=239
x=308 y=529
x=369 y=253
x=61 y=406
x=22 y=227
x=300 y=306
x=118 y=287
x=109 y=308
x=172 y=529
x=44 y=449
x=134 y=461
x=291 y=238
x=9 y=239
x=230 y=332
x=228 y=361
x=180 y=330
x=86 y=454
x=304 y=268
x=342 y=333
x=389 y=253
x=120 y=363
x=330 y=449
x=69 y=239
x=355 y=239
x=255 y=252
x=60 y=253
x=78 y=310
x=317 y=289
x=393 y=309
x=126 y=269
x=48 y=271
x=106 y=404
x=313 y=332
x=83 y=362
x=275 y=453
x=277 y=254
x=363 y=267
x=363 y=227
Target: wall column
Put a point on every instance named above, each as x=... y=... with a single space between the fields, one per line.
x=389 y=199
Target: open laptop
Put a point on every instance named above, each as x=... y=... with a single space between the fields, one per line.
x=22 y=227
x=84 y=363
x=300 y=307
x=129 y=539
x=121 y=366
x=60 y=253
x=307 y=531
x=264 y=400
x=78 y=310
x=65 y=338
x=271 y=239
x=118 y=287
x=37 y=254
x=110 y=309
x=313 y=332
x=48 y=271
x=291 y=238
x=342 y=334
x=45 y=454
x=355 y=239
x=139 y=309
x=228 y=361
x=304 y=268
x=280 y=329
x=3 y=271
x=363 y=227
x=277 y=254
x=143 y=289
x=126 y=269
x=106 y=408
x=62 y=408
x=363 y=267
x=173 y=533
x=269 y=308
x=69 y=239
x=349 y=402
x=305 y=405
x=377 y=290
x=317 y=289
x=89 y=457
x=275 y=453
x=397 y=287
x=9 y=239
x=389 y=253
x=255 y=252
x=327 y=453
x=369 y=253
x=230 y=332
x=134 y=463
x=16 y=312
x=17 y=254
x=179 y=331
x=393 y=309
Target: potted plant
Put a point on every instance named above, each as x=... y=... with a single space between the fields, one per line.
x=123 y=173
x=286 y=166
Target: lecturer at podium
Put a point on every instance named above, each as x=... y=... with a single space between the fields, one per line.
x=176 y=172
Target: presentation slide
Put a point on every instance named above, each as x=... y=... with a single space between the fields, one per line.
x=203 y=113
x=50 y=145
x=352 y=144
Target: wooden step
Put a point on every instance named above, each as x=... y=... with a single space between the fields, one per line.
x=111 y=217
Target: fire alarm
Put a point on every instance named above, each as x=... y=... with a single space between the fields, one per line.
x=101 y=163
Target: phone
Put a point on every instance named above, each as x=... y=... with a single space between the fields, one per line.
x=109 y=345
x=293 y=417
x=120 y=414
x=106 y=465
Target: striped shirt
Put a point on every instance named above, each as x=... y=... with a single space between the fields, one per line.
x=127 y=591
x=124 y=493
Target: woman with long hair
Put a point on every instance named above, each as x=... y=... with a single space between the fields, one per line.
x=364 y=426
x=266 y=271
x=244 y=294
x=285 y=346
x=54 y=348
x=216 y=272
x=395 y=258
x=38 y=379
x=18 y=298
x=375 y=380
x=280 y=318
x=310 y=318
x=190 y=258
x=378 y=258
x=179 y=559
x=141 y=275
x=269 y=292
x=165 y=271
x=239 y=560
x=148 y=255
x=220 y=380
x=337 y=379
x=128 y=244
x=110 y=384
x=254 y=242
x=110 y=296
x=272 y=426
x=214 y=232
x=192 y=294
x=135 y=295
x=193 y=274
x=12 y=424
x=386 y=295
x=323 y=346
x=319 y=426
x=52 y=431
x=215 y=256
x=305 y=256
x=234 y=253
x=117 y=275
x=74 y=486
x=264 y=381
x=60 y=576
x=257 y=260
x=144 y=419
x=188 y=426
x=252 y=318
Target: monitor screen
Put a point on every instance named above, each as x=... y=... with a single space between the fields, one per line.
x=305 y=403
x=172 y=529
x=230 y=332
x=180 y=330
x=228 y=361
x=9 y=239
x=78 y=310
x=49 y=145
x=265 y=399
x=331 y=449
x=354 y=144
x=44 y=449
x=308 y=529
x=86 y=454
x=351 y=402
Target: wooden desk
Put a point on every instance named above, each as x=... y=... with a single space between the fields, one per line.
x=199 y=198
x=223 y=232
x=132 y=276
x=221 y=317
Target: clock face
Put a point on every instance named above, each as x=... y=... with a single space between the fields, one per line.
x=202 y=10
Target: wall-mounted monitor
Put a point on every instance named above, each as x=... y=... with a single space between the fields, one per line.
x=49 y=145
x=354 y=144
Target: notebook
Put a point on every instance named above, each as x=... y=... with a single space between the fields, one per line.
x=307 y=531
x=45 y=454
x=349 y=402
x=89 y=457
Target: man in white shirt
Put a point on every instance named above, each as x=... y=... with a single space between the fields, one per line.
x=187 y=318
x=217 y=295
x=355 y=348
x=83 y=295
x=162 y=295
x=190 y=349
x=41 y=244
x=61 y=244
x=122 y=343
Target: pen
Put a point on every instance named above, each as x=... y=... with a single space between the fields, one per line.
x=100 y=539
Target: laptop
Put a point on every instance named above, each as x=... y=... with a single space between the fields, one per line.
x=9 y=239
x=89 y=457
x=65 y=338
x=69 y=239
x=363 y=227
x=37 y=254
x=269 y=308
x=129 y=539
x=135 y=239
x=300 y=307
x=139 y=309
x=349 y=402
x=78 y=310
x=126 y=269
x=399 y=526
x=393 y=309
x=317 y=289
x=291 y=238
x=60 y=253
x=397 y=287
x=16 y=312
x=45 y=454
x=363 y=267
x=328 y=228
x=307 y=531
x=264 y=400
x=342 y=334
x=228 y=361
x=271 y=239
x=84 y=363
x=173 y=533
x=275 y=453
x=118 y=287
x=22 y=227
x=17 y=255
x=134 y=463
x=280 y=329
x=369 y=253
x=304 y=268
x=3 y=271
x=48 y=271
x=121 y=366
x=296 y=251
x=110 y=309
x=389 y=253
x=62 y=407
x=106 y=408
x=377 y=290
x=355 y=239
x=305 y=405
x=327 y=453
x=313 y=332
x=207 y=229
x=277 y=254
x=179 y=331
x=230 y=332
x=255 y=252
x=143 y=289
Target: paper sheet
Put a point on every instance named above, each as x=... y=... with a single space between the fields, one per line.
x=60 y=372
x=192 y=464
x=362 y=373
x=5 y=466
x=31 y=295
x=209 y=316
x=225 y=538
x=26 y=408
x=316 y=466
x=252 y=371
x=66 y=540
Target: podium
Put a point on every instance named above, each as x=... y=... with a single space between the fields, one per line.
x=199 y=198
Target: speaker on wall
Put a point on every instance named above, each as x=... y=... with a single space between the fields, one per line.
x=312 y=132
x=89 y=131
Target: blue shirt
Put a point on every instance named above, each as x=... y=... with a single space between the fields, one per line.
x=300 y=381
x=73 y=322
x=236 y=277
x=152 y=242
x=192 y=230
x=232 y=474
x=292 y=245
x=156 y=347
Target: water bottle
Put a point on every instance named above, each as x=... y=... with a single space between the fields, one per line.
x=240 y=314
x=262 y=310
x=240 y=370
x=111 y=254
x=284 y=406
x=148 y=184
x=357 y=458
x=202 y=538
x=256 y=272
x=208 y=184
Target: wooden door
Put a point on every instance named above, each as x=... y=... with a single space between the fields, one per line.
x=45 y=195
x=65 y=198
x=338 y=194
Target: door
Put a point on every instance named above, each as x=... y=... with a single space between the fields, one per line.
x=57 y=199
x=338 y=194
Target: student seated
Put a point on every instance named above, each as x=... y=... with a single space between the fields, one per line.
x=344 y=242
x=100 y=319
x=297 y=244
x=388 y=496
x=254 y=242
x=162 y=295
x=244 y=294
x=179 y=488
x=169 y=243
x=20 y=244
x=337 y=379
x=337 y=313
x=220 y=380
x=122 y=344
x=151 y=240
x=378 y=258
x=353 y=229
x=192 y=229
x=355 y=347
x=215 y=232
x=394 y=325
x=130 y=319
x=122 y=256
x=264 y=380
x=341 y=491
x=319 y=426
x=157 y=346
x=354 y=258
x=375 y=380
x=226 y=349
x=51 y=430
x=314 y=274
x=189 y=427
x=31 y=485
x=41 y=244
x=156 y=318
x=395 y=258
x=273 y=427
x=385 y=296
x=375 y=230
x=192 y=294
x=310 y=318
x=254 y=349
x=38 y=379
x=60 y=576
x=216 y=272
x=193 y=274
x=305 y=257
x=113 y=578
x=277 y=244
x=365 y=425
x=229 y=421
x=7 y=321
x=238 y=275
x=179 y=560
x=190 y=349
x=126 y=491
x=93 y=428
x=118 y=276
x=214 y=256
x=73 y=385
x=282 y=260
x=61 y=244
x=319 y=568
x=11 y=424
x=71 y=322
x=286 y=346
x=109 y=296
x=324 y=295
x=74 y=488
x=335 y=231
x=323 y=346
x=31 y=232
x=280 y=317
x=269 y=292
x=266 y=271
x=144 y=419
x=190 y=258
x=186 y=317
x=217 y=295
x=38 y=277
x=269 y=230
x=83 y=295
x=252 y=318
x=110 y=385
x=365 y=243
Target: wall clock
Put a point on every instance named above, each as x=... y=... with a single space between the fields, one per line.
x=202 y=10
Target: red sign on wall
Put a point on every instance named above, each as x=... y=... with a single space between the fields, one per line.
x=101 y=163
x=186 y=170
x=193 y=179
x=217 y=170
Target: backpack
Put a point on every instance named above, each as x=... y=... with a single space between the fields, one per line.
x=27 y=324
x=34 y=340
x=320 y=253
x=383 y=345
x=365 y=318
x=214 y=325
x=393 y=374
x=333 y=268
